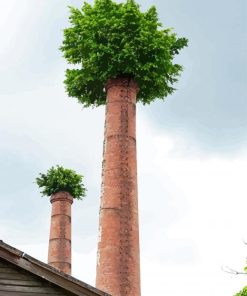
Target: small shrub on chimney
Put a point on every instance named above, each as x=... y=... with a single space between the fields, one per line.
x=60 y=179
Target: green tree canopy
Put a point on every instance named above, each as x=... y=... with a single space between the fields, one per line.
x=109 y=40
x=242 y=292
x=60 y=179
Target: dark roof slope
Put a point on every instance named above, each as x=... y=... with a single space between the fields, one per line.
x=47 y=272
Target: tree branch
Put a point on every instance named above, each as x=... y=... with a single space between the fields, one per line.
x=227 y=269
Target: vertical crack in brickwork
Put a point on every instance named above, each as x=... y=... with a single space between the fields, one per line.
x=125 y=199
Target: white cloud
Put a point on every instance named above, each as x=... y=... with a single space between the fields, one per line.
x=192 y=203
x=211 y=191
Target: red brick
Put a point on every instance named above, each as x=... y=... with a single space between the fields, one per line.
x=59 y=253
x=118 y=265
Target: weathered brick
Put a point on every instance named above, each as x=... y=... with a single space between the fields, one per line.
x=118 y=266
x=59 y=253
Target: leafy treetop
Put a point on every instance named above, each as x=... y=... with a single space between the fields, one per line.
x=60 y=179
x=110 y=40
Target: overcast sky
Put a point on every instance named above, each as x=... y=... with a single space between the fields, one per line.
x=192 y=159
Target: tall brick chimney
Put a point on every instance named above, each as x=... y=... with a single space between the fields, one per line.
x=59 y=253
x=118 y=266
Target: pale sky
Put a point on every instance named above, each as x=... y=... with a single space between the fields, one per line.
x=192 y=158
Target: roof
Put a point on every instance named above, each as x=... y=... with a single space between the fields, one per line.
x=47 y=272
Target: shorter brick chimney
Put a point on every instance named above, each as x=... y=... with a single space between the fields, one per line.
x=59 y=253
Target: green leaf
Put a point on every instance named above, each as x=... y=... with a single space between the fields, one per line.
x=60 y=179
x=108 y=39
x=242 y=292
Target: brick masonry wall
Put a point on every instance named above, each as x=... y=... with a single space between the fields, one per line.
x=118 y=266
x=59 y=253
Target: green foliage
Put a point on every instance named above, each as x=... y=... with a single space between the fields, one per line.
x=60 y=179
x=109 y=40
x=242 y=292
